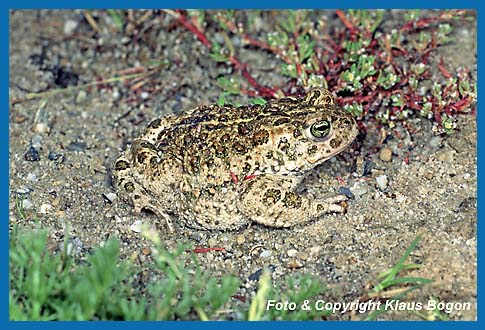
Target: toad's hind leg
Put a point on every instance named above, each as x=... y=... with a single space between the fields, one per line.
x=272 y=201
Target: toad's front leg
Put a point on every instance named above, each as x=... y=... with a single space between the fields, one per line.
x=271 y=200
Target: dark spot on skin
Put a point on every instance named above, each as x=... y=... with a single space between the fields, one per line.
x=223 y=118
x=141 y=157
x=155 y=124
x=260 y=137
x=162 y=145
x=210 y=162
x=129 y=187
x=271 y=196
x=193 y=163
x=206 y=117
x=292 y=200
x=296 y=132
x=243 y=129
x=161 y=135
x=186 y=121
x=153 y=162
x=334 y=143
x=283 y=144
x=272 y=108
x=321 y=208
x=289 y=100
x=313 y=96
x=226 y=137
x=281 y=121
x=312 y=150
x=145 y=145
x=345 y=123
x=246 y=167
x=220 y=151
x=121 y=165
x=188 y=140
x=239 y=147
x=319 y=97
x=136 y=197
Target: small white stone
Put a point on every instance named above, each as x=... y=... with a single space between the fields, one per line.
x=23 y=190
x=45 y=208
x=70 y=26
x=359 y=189
x=382 y=182
x=81 y=96
x=265 y=254
x=26 y=204
x=31 y=177
x=291 y=253
x=137 y=226
x=110 y=196
x=116 y=93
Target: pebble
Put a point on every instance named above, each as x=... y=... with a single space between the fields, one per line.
x=32 y=155
x=385 y=154
x=446 y=156
x=291 y=253
x=36 y=141
x=265 y=254
x=41 y=128
x=295 y=264
x=54 y=155
x=81 y=96
x=70 y=26
x=137 y=226
x=257 y=274
x=359 y=189
x=212 y=242
x=23 y=190
x=19 y=119
x=382 y=182
x=77 y=146
x=110 y=196
x=429 y=175
x=435 y=141
x=45 y=208
x=27 y=204
x=346 y=192
x=240 y=239
x=74 y=246
x=116 y=95
x=41 y=121
x=31 y=177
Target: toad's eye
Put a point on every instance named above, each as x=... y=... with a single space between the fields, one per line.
x=320 y=129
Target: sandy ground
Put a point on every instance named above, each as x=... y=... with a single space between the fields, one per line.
x=62 y=150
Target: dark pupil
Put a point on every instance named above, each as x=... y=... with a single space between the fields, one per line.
x=320 y=129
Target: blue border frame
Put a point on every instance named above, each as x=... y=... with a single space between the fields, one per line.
x=6 y=5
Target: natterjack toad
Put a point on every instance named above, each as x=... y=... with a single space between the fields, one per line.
x=222 y=167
